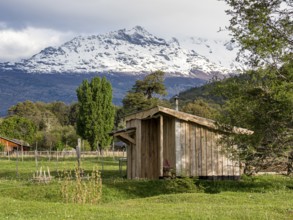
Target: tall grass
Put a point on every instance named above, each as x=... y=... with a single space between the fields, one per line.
x=80 y=189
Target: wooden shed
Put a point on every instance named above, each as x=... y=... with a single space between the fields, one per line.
x=161 y=137
x=12 y=145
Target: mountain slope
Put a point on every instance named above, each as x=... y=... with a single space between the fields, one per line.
x=133 y=51
x=20 y=86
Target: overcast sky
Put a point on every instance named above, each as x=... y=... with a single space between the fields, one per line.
x=28 y=26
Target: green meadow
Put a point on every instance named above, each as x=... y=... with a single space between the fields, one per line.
x=257 y=197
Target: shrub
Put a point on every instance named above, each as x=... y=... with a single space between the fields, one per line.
x=181 y=185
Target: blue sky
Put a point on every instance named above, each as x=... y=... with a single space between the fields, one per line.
x=27 y=26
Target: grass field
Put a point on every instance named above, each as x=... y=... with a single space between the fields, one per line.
x=261 y=197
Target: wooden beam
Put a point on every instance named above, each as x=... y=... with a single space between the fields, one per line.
x=178 y=157
x=143 y=114
x=138 y=155
x=125 y=138
x=161 y=146
x=126 y=130
x=129 y=162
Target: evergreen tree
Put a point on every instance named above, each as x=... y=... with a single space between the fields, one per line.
x=145 y=93
x=151 y=84
x=96 y=113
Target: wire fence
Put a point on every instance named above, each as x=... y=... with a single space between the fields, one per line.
x=62 y=154
x=23 y=164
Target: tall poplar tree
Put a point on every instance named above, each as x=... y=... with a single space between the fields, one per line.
x=96 y=112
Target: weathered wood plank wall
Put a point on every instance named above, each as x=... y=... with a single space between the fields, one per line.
x=169 y=151
x=200 y=153
x=150 y=150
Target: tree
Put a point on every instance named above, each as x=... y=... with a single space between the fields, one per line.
x=51 y=120
x=96 y=112
x=262 y=103
x=16 y=127
x=145 y=93
x=39 y=113
x=261 y=99
x=264 y=28
x=73 y=112
x=151 y=84
x=201 y=108
x=61 y=111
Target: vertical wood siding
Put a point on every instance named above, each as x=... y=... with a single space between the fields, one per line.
x=169 y=149
x=201 y=153
x=150 y=149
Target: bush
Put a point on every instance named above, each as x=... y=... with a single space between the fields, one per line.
x=181 y=185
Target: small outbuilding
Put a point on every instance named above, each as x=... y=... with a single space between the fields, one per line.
x=161 y=139
x=13 y=145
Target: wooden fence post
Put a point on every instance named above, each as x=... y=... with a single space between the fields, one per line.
x=57 y=160
x=17 y=162
x=82 y=147
x=21 y=153
x=113 y=150
x=7 y=151
x=36 y=155
x=50 y=151
x=78 y=152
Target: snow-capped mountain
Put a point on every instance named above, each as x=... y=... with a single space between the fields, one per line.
x=131 y=51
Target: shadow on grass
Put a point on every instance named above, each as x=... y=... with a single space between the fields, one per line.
x=260 y=184
x=14 y=175
x=131 y=189
x=147 y=188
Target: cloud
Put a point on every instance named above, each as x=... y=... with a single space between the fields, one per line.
x=201 y=16
x=18 y=44
x=32 y=23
